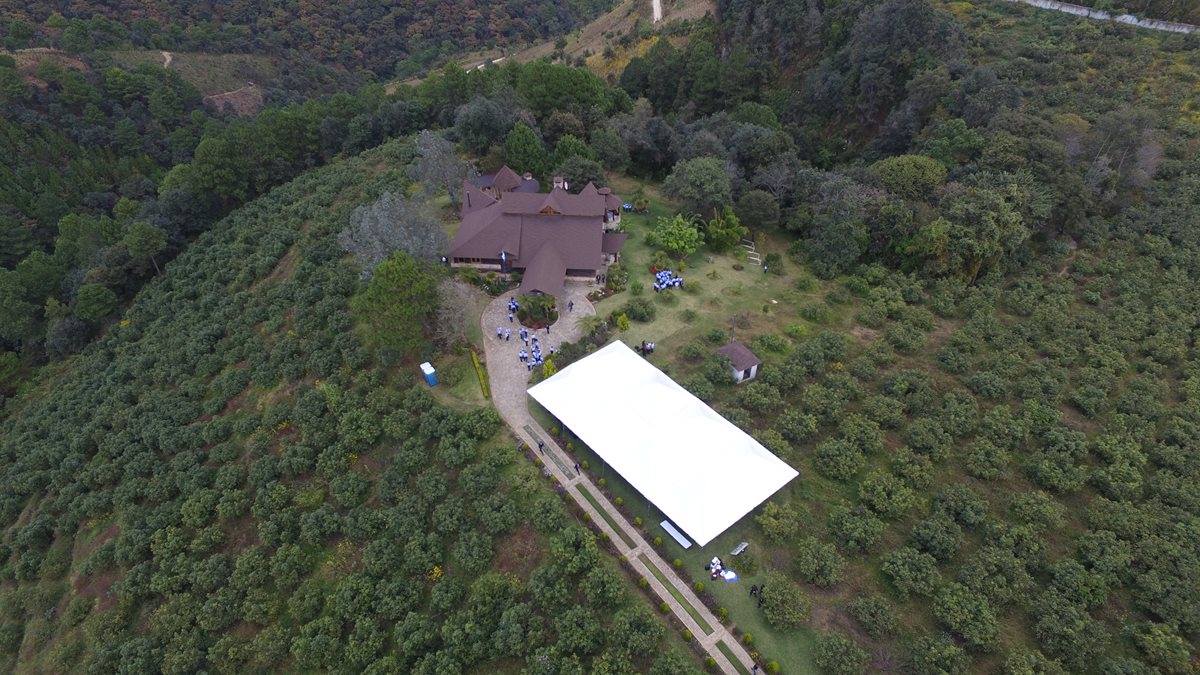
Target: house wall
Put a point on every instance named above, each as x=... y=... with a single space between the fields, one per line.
x=739 y=376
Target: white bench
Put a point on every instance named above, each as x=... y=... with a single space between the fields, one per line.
x=739 y=549
x=676 y=534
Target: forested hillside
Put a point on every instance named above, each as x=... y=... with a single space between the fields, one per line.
x=387 y=40
x=228 y=481
x=94 y=196
x=977 y=313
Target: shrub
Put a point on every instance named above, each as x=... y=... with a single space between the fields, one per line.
x=857 y=529
x=837 y=654
x=967 y=614
x=640 y=309
x=818 y=563
x=715 y=336
x=838 y=460
x=938 y=535
x=875 y=616
x=912 y=572
x=677 y=563
x=784 y=605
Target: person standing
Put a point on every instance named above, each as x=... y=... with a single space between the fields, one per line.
x=571 y=306
x=499 y=333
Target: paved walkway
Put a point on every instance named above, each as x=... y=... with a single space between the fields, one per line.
x=509 y=380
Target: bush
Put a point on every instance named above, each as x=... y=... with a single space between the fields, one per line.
x=837 y=654
x=857 y=529
x=640 y=309
x=912 y=572
x=818 y=563
x=874 y=615
x=784 y=605
x=968 y=614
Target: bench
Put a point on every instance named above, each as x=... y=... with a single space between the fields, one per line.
x=676 y=534
x=739 y=549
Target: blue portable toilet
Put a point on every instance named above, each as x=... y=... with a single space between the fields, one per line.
x=430 y=373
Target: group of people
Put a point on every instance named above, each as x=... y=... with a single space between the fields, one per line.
x=716 y=569
x=666 y=279
x=531 y=355
x=647 y=348
x=758 y=591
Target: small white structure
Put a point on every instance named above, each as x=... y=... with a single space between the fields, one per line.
x=744 y=363
x=704 y=473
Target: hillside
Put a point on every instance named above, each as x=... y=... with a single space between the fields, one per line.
x=379 y=40
x=226 y=480
x=960 y=236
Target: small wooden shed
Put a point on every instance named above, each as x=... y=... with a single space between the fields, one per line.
x=744 y=363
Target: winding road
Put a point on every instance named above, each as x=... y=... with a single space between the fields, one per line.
x=1099 y=15
x=509 y=380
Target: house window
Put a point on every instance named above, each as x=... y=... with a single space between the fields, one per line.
x=746 y=373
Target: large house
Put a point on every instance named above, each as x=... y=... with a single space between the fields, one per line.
x=547 y=236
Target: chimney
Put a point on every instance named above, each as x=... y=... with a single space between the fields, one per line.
x=559 y=183
x=527 y=176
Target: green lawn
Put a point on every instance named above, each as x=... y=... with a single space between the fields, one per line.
x=704 y=625
x=587 y=494
x=210 y=73
x=737 y=665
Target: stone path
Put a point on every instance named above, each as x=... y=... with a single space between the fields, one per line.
x=509 y=380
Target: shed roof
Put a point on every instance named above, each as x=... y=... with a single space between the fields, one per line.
x=740 y=355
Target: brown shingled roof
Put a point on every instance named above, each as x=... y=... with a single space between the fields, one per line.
x=611 y=242
x=740 y=355
x=506 y=179
x=545 y=272
x=474 y=199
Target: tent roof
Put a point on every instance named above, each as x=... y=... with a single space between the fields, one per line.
x=703 y=472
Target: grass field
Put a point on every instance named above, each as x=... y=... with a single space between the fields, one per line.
x=210 y=73
x=714 y=293
x=704 y=625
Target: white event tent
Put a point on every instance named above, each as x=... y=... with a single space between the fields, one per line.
x=699 y=469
